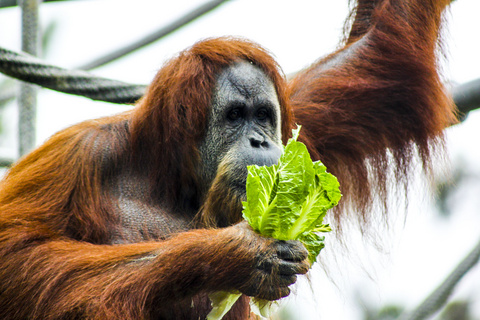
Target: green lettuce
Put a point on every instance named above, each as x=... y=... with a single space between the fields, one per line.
x=286 y=201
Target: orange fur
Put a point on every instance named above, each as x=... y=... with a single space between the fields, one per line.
x=376 y=102
x=66 y=250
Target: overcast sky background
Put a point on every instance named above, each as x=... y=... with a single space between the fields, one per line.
x=417 y=252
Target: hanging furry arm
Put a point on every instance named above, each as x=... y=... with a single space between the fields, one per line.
x=377 y=101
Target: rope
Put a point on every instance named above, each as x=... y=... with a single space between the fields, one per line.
x=438 y=298
x=177 y=24
x=30 y=69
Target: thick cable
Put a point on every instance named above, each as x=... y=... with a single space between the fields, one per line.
x=30 y=69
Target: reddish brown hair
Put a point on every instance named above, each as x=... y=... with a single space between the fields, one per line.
x=175 y=109
x=377 y=103
x=374 y=103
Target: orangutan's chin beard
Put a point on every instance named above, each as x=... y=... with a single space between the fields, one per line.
x=223 y=204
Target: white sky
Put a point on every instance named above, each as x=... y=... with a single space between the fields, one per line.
x=297 y=32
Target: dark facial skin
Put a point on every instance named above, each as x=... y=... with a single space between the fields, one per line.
x=244 y=126
x=244 y=129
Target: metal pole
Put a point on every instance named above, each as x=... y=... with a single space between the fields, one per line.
x=28 y=92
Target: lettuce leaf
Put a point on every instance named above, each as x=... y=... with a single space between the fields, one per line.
x=222 y=301
x=287 y=201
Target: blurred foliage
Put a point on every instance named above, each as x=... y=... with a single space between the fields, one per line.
x=387 y=312
x=447 y=187
x=463 y=178
x=47 y=33
x=7 y=91
x=286 y=313
x=457 y=310
x=7 y=94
